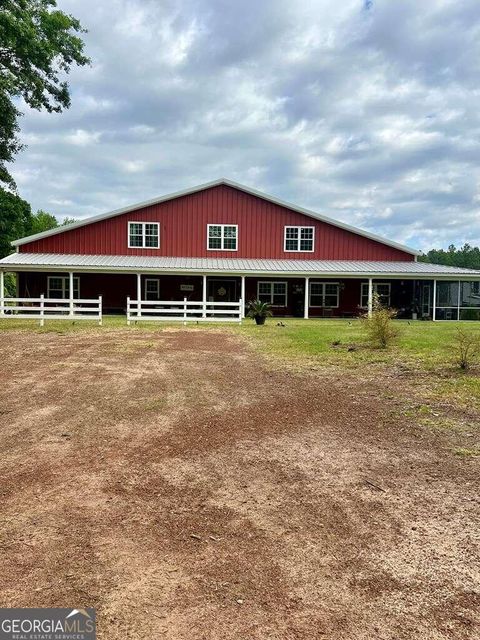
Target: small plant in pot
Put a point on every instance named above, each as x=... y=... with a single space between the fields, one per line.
x=259 y=311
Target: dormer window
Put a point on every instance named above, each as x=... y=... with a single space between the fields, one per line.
x=222 y=237
x=143 y=235
x=299 y=239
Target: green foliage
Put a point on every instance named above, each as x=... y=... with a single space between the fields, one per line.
x=42 y=221
x=10 y=285
x=38 y=44
x=9 y=143
x=466 y=347
x=68 y=221
x=258 y=309
x=466 y=257
x=15 y=220
x=378 y=325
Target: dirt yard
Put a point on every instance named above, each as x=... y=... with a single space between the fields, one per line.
x=189 y=489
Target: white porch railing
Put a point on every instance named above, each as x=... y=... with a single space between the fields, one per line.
x=42 y=309
x=183 y=311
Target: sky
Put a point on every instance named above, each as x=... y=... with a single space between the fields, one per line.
x=366 y=111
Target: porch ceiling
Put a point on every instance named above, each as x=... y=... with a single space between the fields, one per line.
x=238 y=266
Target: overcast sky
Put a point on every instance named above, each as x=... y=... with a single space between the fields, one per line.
x=363 y=110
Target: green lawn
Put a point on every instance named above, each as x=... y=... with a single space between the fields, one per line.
x=424 y=343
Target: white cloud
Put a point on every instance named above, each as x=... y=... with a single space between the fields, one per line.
x=82 y=138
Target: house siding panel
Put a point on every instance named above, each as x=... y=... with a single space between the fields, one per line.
x=183 y=227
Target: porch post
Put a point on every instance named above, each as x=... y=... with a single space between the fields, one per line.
x=458 y=301
x=242 y=296
x=370 y=296
x=139 y=287
x=70 y=292
x=204 y=297
x=2 y=293
x=305 y=306
x=434 y=310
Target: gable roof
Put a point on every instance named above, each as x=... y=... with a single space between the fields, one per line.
x=203 y=187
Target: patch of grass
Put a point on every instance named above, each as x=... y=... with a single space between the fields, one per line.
x=463 y=390
x=467 y=453
x=155 y=404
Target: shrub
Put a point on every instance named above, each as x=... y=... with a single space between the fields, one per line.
x=10 y=285
x=466 y=348
x=259 y=310
x=378 y=326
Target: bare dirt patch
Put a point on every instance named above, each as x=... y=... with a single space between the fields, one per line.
x=189 y=490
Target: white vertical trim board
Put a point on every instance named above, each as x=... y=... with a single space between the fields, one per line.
x=306 y=299
x=370 y=296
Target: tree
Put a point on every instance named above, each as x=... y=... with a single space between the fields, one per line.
x=37 y=44
x=15 y=220
x=42 y=221
x=467 y=257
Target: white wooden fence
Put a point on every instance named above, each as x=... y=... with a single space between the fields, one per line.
x=183 y=311
x=42 y=309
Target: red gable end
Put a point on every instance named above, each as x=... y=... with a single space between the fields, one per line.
x=183 y=231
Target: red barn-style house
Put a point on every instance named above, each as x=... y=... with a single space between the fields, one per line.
x=223 y=242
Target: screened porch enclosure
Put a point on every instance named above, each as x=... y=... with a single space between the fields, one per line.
x=457 y=300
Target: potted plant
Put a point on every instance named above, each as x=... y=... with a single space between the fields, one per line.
x=259 y=311
x=415 y=309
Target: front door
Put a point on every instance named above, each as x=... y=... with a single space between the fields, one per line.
x=222 y=290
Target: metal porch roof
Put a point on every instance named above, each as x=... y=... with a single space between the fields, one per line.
x=240 y=266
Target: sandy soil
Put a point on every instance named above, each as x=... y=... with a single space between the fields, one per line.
x=189 y=490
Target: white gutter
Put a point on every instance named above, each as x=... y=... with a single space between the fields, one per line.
x=252 y=274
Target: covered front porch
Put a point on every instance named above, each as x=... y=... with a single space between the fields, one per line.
x=289 y=296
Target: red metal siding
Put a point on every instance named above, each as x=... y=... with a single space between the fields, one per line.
x=183 y=231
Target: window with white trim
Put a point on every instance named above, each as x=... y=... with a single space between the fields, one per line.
x=299 y=239
x=152 y=289
x=324 y=294
x=274 y=293
x=143 y=235
x=381 y=289
x=59 y=287
x=222 y=237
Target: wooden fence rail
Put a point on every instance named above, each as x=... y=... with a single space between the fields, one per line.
x=42 y=309
x=183 y=311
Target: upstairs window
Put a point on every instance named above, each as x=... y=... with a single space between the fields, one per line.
x=324 y=294
x=143 y=235
x=222 y=237
x=299 y=238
